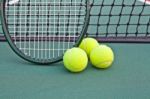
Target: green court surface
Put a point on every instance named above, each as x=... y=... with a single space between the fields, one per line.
x=128 y=78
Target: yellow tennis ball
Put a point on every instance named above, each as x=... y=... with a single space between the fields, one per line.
x=75 y=60
x=88 y=44
x=102 y=56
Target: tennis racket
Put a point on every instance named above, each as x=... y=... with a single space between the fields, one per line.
x=40 y=31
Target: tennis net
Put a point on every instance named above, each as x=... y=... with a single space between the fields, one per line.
x=118 y=21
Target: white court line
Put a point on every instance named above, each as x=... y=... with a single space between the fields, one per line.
x=13 y=2
x=145 y=1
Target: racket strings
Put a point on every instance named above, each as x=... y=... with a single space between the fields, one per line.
x=44 y=29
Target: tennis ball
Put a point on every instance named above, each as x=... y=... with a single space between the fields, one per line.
x=102 y=56
x=88 y=44
x=75 y=60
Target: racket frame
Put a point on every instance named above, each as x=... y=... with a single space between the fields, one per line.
x=28 y=58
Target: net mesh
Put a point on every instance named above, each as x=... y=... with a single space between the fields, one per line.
x=44 y=29
x=120 y=20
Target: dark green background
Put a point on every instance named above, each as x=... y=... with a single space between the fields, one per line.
x=128 y=78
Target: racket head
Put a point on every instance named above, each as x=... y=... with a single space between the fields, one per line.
x=14 y=41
